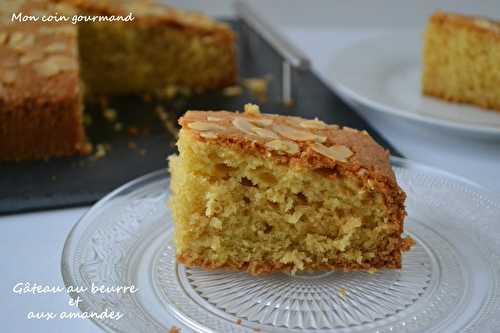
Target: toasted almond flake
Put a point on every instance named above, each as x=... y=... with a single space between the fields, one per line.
x=293 y=133
x=3 y=37
x=265 y=133
x=283 y=146
x=208 y=135
x=485 y=24
x=204 y=126
x=365 y=133
x=214 y=118
x=337 y=153
x=28 y=58
x=333 y=126
x=9 y=76
x=263 y=122
x=63 y=30
x=54 y=65
x=243 y=125
x=313 y=124
x=16 y=38
x=252 y=109
x=21 y=42
x=320 y=139
x=55 y=47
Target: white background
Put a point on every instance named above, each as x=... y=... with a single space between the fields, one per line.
x=31 y=244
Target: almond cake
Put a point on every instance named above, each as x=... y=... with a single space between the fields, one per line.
x=461 y=59
x=47 y=68
x=264 y=193
x=40 y=90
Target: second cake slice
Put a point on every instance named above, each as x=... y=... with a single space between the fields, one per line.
x=263 y=193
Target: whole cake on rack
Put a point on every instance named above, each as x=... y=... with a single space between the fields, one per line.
x=48 y=68
x=264 y=193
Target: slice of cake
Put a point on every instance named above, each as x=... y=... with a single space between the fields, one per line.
x=265 y=193
x=461 y=59
x=162 y=47
x=40 y=105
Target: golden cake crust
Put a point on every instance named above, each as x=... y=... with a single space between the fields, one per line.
x=367 y=156
x=478 y=24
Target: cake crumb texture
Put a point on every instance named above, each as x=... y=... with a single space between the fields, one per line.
x=461 y=59
x=264 y=193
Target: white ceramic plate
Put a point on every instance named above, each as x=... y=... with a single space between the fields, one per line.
x=450 y=281
x=382 y=74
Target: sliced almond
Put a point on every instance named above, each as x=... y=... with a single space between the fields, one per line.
x=16 y=37
x=21 y=42
x=283 y=146
x=293 y=133
x=337 y=153
x=265 y=133
x=205 y=126
x=214 y=118
x=485 y=24
x=28 y=58
x=56 y=47
x=63 y=30
x=209 y=135
x=243 y=125
x=263 y=122
x=55 y=64
x=313 y=124
x=320 y=139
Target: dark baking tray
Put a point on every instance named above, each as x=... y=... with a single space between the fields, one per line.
x=78 y=181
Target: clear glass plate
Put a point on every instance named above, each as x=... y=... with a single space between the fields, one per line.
x=449 y=281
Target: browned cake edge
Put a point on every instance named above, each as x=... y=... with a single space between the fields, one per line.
x=369 y=163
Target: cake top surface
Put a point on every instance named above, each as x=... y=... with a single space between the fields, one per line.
x=474 y=22
x=150 y=12
x=309 y=142
x=39 y=61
